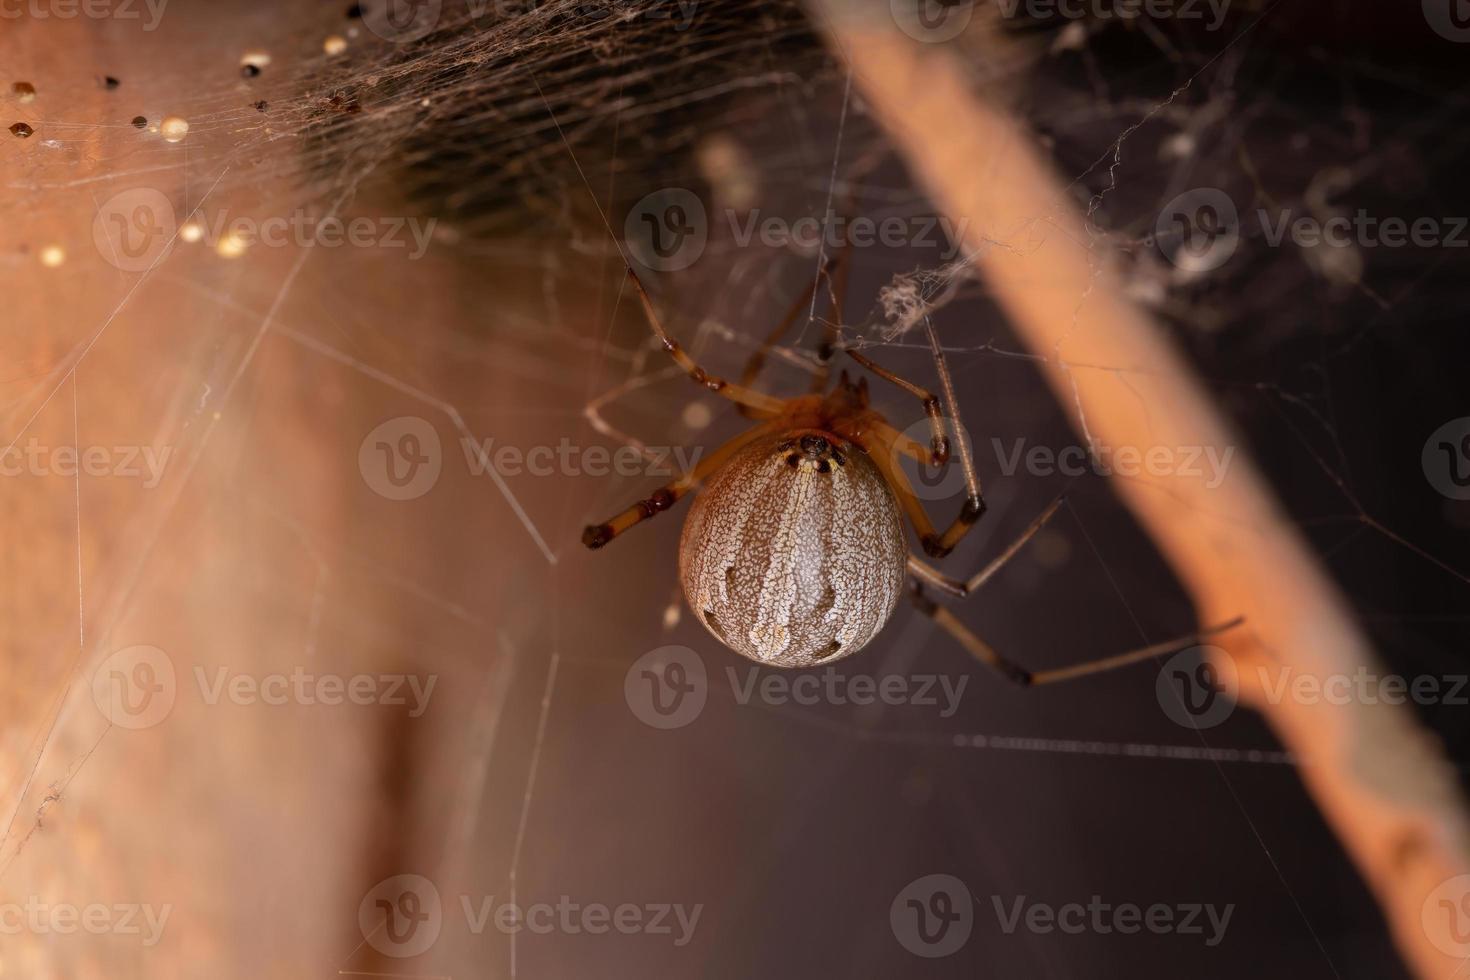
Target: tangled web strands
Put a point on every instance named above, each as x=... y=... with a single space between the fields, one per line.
x=474 y=114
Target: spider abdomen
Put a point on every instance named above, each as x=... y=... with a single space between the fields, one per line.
x=793 y=554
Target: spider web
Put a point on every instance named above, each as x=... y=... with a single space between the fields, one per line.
x=522 y=142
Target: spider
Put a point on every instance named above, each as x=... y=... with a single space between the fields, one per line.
x=794 y=553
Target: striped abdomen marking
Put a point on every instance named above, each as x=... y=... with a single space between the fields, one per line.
x=793 y=554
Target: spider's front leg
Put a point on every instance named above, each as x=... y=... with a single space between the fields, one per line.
x=760 y=405
x=936 y=545
x=886 y=444
x=597 y=535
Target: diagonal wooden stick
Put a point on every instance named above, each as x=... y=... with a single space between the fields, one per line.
x=1379 y=780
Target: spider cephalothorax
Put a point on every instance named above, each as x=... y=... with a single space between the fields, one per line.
x=794 y=553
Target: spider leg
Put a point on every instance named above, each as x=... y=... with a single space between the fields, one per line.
x=597 y=535
x=958 y=587
x=758 y=356
x=938 y=439
x=939 y=545
x=593 y=410
x=832 y=330
x=1017 y=674
x=760 y=404
x=883 y=443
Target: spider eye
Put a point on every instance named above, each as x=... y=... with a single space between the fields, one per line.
x=814 y=445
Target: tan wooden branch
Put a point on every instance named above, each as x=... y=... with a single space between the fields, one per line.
x=1381 y=782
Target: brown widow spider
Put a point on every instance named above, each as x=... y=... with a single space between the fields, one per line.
x=794 y=554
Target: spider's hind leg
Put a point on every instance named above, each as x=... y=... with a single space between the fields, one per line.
x=1017 y=674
